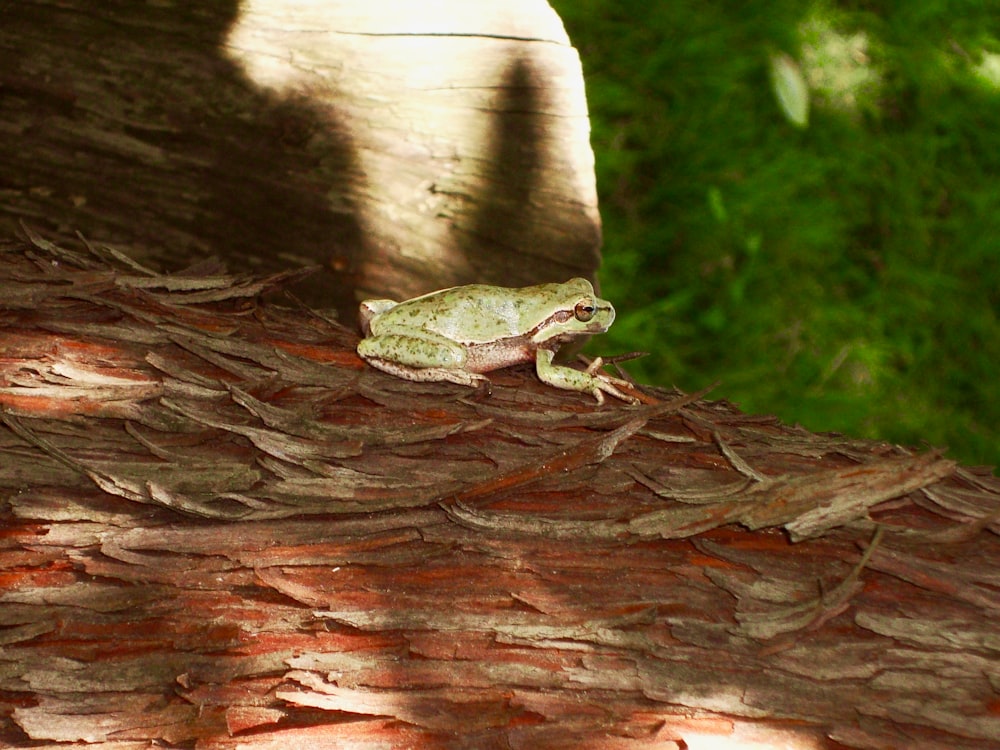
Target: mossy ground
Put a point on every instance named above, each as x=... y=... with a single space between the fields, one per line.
x=844 y=275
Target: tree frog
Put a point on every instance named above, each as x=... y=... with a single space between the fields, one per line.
x=459 y=333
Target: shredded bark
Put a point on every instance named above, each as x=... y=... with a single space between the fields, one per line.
x=221 y=529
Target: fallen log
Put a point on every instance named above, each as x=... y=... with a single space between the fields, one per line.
x=221 y=529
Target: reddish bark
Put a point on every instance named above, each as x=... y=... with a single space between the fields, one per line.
x=220 y=529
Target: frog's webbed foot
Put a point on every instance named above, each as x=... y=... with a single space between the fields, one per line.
x=591 y=380
x=608 y=384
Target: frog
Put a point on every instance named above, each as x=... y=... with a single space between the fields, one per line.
x=458 y=334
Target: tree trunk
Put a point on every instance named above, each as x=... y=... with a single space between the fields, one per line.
x=401 y=146
x=222 y=530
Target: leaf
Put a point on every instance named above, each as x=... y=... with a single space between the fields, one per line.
x=790 y=89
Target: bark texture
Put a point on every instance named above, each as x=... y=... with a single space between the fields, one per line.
x=221 y=530
x=402 y=146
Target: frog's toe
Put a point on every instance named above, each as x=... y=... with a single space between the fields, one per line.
x=595 y=367
x=609 y=385
x=459 y=377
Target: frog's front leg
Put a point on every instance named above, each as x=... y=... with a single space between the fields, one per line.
x=419 y=355
x=592 y=381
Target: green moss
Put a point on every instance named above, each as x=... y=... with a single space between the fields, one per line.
x=844 y=275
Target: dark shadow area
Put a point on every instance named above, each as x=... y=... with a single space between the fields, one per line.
x=127 y=122
x=505 y=216
x=509 y=178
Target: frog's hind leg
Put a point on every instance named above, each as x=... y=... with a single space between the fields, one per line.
x=419 y=355
x=429 y=374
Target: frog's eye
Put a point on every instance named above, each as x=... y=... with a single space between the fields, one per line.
x=584 y=310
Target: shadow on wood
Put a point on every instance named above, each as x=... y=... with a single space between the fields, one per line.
x=362 y=138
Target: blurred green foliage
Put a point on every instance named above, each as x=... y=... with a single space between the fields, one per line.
x=843 y=275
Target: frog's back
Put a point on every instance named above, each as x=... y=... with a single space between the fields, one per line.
x=476 y=313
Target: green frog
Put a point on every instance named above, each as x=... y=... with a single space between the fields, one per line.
x=458 y=334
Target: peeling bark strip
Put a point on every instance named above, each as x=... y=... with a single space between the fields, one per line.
x=220 y=530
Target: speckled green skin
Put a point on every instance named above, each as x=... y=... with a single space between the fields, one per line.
x=456 y=334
